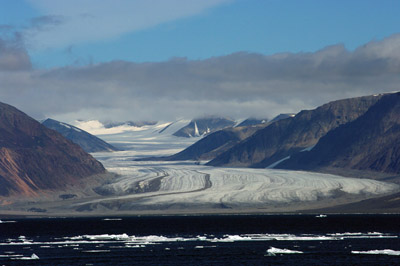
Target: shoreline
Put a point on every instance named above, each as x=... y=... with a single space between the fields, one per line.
x=6 y=219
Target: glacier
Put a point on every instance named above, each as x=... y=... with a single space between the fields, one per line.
x=185 y=184
x=163 y=185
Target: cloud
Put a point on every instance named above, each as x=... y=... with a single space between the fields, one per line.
x=82 y=21
x=13 y=56
x=237 y=85
x=44 y=22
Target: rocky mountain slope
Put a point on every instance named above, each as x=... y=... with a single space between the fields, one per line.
x=252 y=122
x=371 y=142
x=213 y=144
x=35 y=158
x=88 y=142
x=281 y=116
x=291 y=135
x=203 y=126
x=220 y=141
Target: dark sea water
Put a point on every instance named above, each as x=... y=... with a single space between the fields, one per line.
x=203 y=240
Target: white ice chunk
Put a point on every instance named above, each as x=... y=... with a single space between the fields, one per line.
x=272 y=251
x=378 y=252
x=32 y=257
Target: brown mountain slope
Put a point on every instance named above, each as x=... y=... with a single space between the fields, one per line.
x=371 y=142
x=288 y=136
x=33 y=157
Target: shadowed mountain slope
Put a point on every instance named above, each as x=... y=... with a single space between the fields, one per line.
x=371 y=142
x=87 y=141
x=211 y=145
x=214 y=144
x=291 y=135
x=35 y=158
x=281 y=116
x=252 y=122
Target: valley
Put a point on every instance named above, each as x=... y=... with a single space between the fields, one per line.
x=190 y=187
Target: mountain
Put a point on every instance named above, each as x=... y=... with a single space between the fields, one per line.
x=35 y=158
x=129 y=123
x=282 y=116
x=371 y=142
x=252 y=122
x=220 y=141
x=203 y=126
x=87 y=141
x=212 y=145
x=285 y=137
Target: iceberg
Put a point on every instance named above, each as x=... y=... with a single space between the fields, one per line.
x=272 y=251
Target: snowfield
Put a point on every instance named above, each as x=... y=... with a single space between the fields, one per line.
x=145 y=141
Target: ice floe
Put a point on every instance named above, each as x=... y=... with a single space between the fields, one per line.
x=4 y=222
x=272 y=251
x=96 y=251
x=378 y=252
x=32 y=257
x=140 y=241
x=233 y=238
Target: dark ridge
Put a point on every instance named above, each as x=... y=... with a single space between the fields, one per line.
x=291 y=135
x=252 y=122
x=371 y=142
x=87 y=141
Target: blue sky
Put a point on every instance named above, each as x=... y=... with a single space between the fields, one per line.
x=169 y=59
x=214 y=29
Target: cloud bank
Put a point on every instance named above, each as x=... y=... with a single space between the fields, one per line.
x=237 y=85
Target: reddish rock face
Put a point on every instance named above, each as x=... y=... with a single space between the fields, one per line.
x=34 y=158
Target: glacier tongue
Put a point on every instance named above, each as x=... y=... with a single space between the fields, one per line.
x=187 y=184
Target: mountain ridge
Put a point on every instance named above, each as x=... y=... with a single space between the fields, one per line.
x=202 y=126
x=371 y=142
x=87 y=141
x=215 y=143
x=211 y=145
x=288 y=136
x=34 y=158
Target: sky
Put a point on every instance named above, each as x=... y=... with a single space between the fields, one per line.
x=169 y=59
